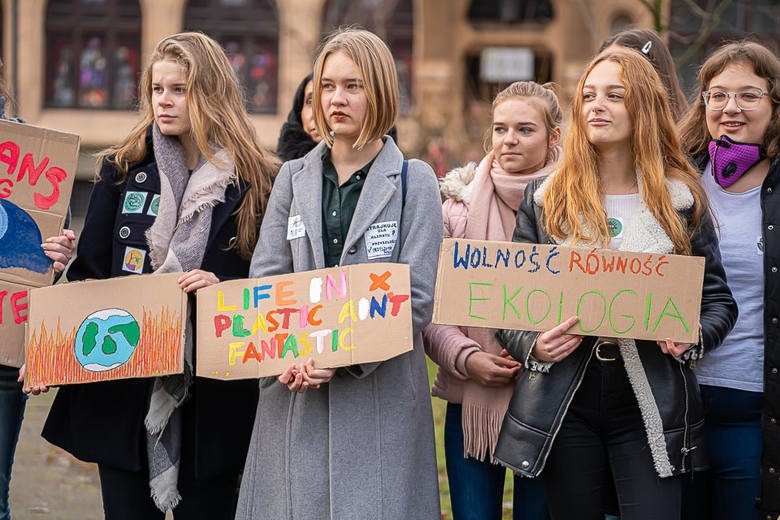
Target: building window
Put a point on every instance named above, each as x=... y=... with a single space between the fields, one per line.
x=92 y=58
x=697 y=30
x=510 y=11
x=391 y=20
x=248 y=30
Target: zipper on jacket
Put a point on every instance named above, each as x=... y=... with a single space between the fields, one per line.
x=568 y=404
x=685 y=450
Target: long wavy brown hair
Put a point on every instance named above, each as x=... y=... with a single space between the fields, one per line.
x=218 y=121
x=573 y=202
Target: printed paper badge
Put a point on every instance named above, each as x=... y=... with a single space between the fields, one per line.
x=154 y=206
x=134 y=202
x=295 y=227
x=380 y=239
x=134 y=260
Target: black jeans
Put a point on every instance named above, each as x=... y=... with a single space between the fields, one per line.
x=602 y=449
x=126 y=496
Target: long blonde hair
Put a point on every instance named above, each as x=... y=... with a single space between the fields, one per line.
x=573 y=205
x=218 y=121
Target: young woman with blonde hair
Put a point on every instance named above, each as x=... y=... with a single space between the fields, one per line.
x=193 y=162
x=354 y=442
x=475 y=377
x=733 y=133
x=587 y=408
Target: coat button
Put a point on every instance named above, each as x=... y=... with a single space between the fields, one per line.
x=124 y=232
x=232 y=242
x=774 y=320
x=525 y=464
x=774 y=370
x=774 y=269
x=771 y=470
x=769 y=190
x=352 y=250
x=770 y=227
x=140 y=177
x=773 y=420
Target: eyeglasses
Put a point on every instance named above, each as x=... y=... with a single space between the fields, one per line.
x=745 y=100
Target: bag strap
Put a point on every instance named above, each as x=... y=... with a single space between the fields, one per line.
x=404 y=169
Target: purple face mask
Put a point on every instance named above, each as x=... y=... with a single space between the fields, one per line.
x=730 y=159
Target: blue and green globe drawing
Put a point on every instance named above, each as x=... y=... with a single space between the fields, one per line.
x=106 y=339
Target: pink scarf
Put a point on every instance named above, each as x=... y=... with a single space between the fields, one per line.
x=495 y=199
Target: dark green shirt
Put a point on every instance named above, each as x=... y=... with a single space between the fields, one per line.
x=338 y=207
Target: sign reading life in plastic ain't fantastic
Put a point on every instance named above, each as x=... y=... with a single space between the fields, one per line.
x=339 y=316
x=510 y=285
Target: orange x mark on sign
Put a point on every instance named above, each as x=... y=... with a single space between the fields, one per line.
x=378 y=281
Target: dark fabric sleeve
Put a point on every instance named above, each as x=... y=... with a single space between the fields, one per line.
x=95 y=245
x=519 y=343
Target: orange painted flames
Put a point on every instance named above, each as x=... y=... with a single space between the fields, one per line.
x=51 y=359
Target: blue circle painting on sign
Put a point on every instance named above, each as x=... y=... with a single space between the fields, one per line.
x=106 y=339
x=20 y=240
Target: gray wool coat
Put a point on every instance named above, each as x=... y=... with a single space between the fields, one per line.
x=361 y=446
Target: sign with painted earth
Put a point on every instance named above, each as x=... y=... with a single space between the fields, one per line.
x=106 y=339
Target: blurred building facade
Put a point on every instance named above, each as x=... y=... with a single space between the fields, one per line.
x=73 y=65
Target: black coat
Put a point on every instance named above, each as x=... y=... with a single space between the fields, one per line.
x=770 y=420
x=103 y=422
x=769 y=503
x=541 y=400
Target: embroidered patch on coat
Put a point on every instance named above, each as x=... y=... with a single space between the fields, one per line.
x=134 y=260
x=154 y=206
x=134 y=202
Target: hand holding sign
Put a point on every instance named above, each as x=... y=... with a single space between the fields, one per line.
x=60 y=249
x=555 y=344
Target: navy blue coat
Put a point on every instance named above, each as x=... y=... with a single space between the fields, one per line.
x=103 y=422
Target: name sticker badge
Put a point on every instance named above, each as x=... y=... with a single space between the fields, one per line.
x=295 y=227
x=380 y=239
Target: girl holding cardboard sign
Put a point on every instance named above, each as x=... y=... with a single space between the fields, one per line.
x=355 y=442
x=185 y=192
x=584 y=405
x=733 y=132
x=474 y=376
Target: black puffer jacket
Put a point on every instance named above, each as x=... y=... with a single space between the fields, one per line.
x=669 y=397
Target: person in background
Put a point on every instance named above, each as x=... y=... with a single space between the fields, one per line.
x=12 y=400
x=177 y=443
x=600 y=416
x=355 y=442
x=475 y=376
x=651 y=46
x=299 y=135
x=733 y=133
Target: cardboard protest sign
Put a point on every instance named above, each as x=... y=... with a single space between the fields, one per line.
x=37 y=170
x=13 y=315
x=338 y=316
x=101 y=330
x=535 y=287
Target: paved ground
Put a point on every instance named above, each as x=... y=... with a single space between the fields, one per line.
x=47 y=483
